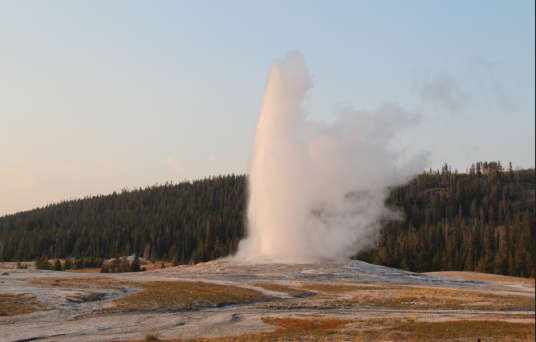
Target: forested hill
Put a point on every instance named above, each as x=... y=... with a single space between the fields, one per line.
x=200 y=220
x=482 y=220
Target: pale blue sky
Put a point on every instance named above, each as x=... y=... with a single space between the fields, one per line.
x=96 y=96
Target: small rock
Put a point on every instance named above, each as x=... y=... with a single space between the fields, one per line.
x=5 y=273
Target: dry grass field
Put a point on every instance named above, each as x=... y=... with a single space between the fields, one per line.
x=336 y=288
x=461 y=330
x=163 y=295
x=494 y=278
x=87 y=270
x=83 y=283
x=18 y=304
x=168 y=295
x=404 y=296
x=338 y=330
x=407 y=296
x=291 y=291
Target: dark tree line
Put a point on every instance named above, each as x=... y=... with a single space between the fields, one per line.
x=197 y=221
x=482 y=219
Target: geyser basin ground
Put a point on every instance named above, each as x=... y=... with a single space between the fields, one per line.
x=223 y=298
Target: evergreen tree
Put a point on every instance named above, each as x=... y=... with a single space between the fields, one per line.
x=135 y=264
x=68 y=264
x=57 y=265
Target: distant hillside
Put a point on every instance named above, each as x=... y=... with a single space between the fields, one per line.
x=479 y=220
x=201 y=220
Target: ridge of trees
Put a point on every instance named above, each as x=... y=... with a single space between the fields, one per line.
x=482 y=219
x=190 y=221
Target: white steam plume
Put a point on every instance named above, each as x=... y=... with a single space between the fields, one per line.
x=316 y=189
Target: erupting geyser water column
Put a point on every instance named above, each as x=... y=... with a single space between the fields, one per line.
x=317 y=189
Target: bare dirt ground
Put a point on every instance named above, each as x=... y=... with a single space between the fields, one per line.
x=229 y=298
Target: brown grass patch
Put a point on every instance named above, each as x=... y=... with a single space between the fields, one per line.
x=285 y=289
x=463 y=330
x=289 y=329
x=419 y=297
x=86 y=270
x=304 y=325
x=85 y=283
x=431 y=297
x=182 y=295
x=150 y=266
x=493 y=278
x=503 y=316
x=18 y=304
x=333 y=329
x=388 y=330
x=165 y=295
x=336 y=288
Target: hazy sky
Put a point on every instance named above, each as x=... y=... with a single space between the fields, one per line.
x=96 y=96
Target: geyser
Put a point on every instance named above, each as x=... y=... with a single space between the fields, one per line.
x=318 y=189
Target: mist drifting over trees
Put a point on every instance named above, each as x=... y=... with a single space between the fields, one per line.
x=482 y=220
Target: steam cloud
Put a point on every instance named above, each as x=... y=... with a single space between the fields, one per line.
x=444 y=91
x=317 y=189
